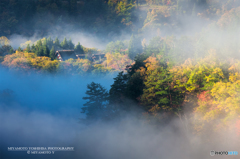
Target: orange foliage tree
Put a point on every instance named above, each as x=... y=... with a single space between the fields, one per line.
x=26 y=61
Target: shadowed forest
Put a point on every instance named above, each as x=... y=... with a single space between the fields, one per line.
x=173 y=68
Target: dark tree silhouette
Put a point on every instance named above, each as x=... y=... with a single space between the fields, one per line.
x=95 y=107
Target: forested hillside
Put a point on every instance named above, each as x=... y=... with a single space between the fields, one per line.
x=26 y=17
x=182 y=60
x=106 y=17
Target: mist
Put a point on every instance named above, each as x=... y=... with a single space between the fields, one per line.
x=66 y=26
x=44 y=110
x=87 y=40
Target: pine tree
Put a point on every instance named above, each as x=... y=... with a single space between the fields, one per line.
x=64 y=44
x=56 y=42
x=28 y=48
x=95 y=106
x=52 y=53
x=44 y=41
x=159 y=93
x=45 y=50
x=39 y=51
x=135 y=83
x=139 y=62
x=119 y=85
x=70 y=44
x=78 y=49
x=135 y=47
x=49 y=42
x=19 y=49
x=117 y=92
x=11 y=50
x=39 y=48
x=33 y=48
x=39 y=43
x=135 y=86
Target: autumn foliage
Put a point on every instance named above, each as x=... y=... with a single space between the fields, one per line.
x=29 y=61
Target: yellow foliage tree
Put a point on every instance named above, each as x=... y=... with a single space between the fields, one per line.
x=117 y=61
x=220 y=106
x=4 y=41
x=27 y=61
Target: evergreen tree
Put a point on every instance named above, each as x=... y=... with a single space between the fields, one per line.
x=52 y=53
x=64 y=44
x=44 y=41
x=39 y=51
x=95 y=107
x=135 y=83
x=70 y=44
x=56 y=42
x=117 y=92
x=11 y=50
x=28 y=48
x=33 y=48
x=139 y=62
x=119 y=85
x=135 y=47
x=159 y=93
x=135 y=86
x=78 y=49
x=39 y=48
x=156 y=44
x=45 y=51
x=39 y=43
x=19 y=49
x=49 y=42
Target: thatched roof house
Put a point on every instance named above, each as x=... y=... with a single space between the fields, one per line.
x=63 y=55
